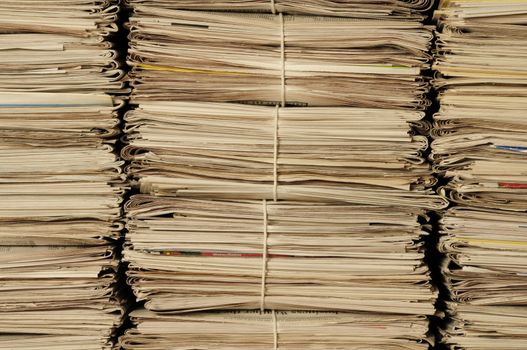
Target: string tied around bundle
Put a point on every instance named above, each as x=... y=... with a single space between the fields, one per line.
x=282 y=57
x=282 y=50
x=265 y=211
x=275 y=330
x=273 y=7
x=264 y=257
x=264 y=276
x=275 y=152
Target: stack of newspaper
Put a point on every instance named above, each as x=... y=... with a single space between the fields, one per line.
x=235 y=151
x=60 y=180
x=291 y=60
x=193 y=255
x=481 y=146
x=377 y=9
x=310 y=193
x=59 y=46
x=485 y=273
x=274 y=330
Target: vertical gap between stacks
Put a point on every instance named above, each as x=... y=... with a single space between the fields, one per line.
x=433 y=257
x=120 y=41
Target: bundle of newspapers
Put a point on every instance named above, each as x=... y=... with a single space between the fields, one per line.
x=60 y=181
x=189 y=255
x=292 y=60
x=376 y=9
x=481 y=147
x=234 y=151
x=274 y=330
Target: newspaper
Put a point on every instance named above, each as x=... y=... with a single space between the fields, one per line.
x=379 y=9
x=287 y=60
x=189 y=255
x=214 y=150
x=275 y=330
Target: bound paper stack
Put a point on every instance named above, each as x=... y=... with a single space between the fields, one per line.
x=310 y=193
x=274 y=330
x=378 y=9
x=213 y=150
x=292 y=60
x=193 y=255
x=60 y=180
x=481 y=147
